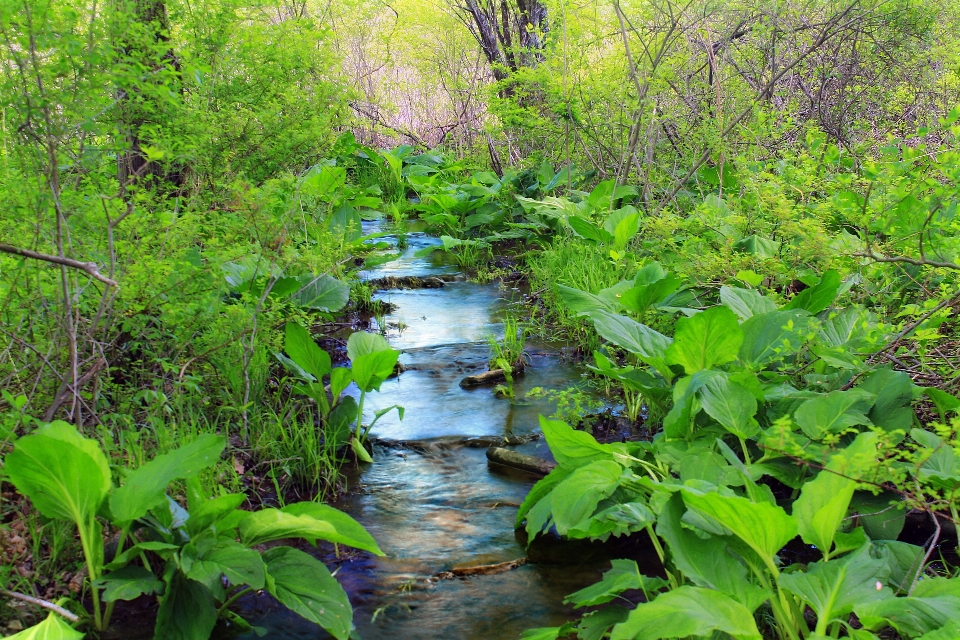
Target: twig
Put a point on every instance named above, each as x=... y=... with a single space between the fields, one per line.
x=900 y=336
x=934 y=539
x=90 y=268
x=72 y=617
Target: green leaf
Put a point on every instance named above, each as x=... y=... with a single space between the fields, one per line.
x=187 y=611
x=360 y=451
x=577 y=497
x=623 y=576
x=272 y=524
x=820 y=296
x=944 y=402
x=240 y=565
x=146 y=487
x=833 y=588
x=705 y=340
x=766 y=528
x=894 y=391
x=371 y=358
x=903 y=560
x=746 y=303
x=588 y=230
x=595 y=624
x=631 y=335
x=617 y=520
x=52 y=628
x=730 y=404
x=129 y=583
x=640 y=297
x=323 y=293
x=541 y=490
x=833 y=412
x=299 y=345
x=934 y=603
x=626 y=228
x=679 y=420
x=208 y=513
x=581 y=303
x=687 y=611
x=707 y=562
x=571 y=447
x=349 y=531
x=757 y=245
x=882 y=516
x=772 y=335
x=65 y=475
x=303 y=584
x=821 y=508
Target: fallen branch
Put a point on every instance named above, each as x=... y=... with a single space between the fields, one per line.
x=72 y=617
x=90 y=268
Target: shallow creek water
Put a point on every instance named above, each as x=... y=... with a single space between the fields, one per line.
x=434 y=504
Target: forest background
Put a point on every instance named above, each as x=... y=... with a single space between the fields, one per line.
x=156 y=156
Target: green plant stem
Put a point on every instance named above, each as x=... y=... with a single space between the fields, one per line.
x=108 y=613
x=236 y=596
x=93 y=572
x=656 y=545
x=361 y=435
x=746 y=454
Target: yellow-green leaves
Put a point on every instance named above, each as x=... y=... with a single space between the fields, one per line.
x=730 y=404
x=371 y=358
x=705 y=340
x=577 y=497
x=303 y=584
x=52 y=628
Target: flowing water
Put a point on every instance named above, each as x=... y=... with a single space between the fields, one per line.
x=432 y=501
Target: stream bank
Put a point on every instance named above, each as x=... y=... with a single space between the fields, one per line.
x=434 y=504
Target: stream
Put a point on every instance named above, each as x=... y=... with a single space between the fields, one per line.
x=430 y=499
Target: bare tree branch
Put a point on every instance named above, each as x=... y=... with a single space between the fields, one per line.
x=90 y=268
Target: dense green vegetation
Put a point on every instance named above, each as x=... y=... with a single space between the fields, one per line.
x=741 y=215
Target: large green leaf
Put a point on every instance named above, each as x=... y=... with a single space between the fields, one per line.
x=640 y=297
x=361 y=343
x=706 y=562
x=894 y=391
x=65 y=475
x=299 y=345
x=128 y=583
x=679 y=420
x=766 y=528
x=187 y=610
x=730 y=404
x=934 y=603
x=589 y=231
x=617 y=520
x=303 y=584
x=772 y=335
x=541 y=490
x=833 y=588
x=746 y=303
x=145 y=488
x=372 y=359
x=571 y=447
x=577 y=497
x=705 y=340
x=239 y=564
x=622 y=576
x=687 y=611
x=52 y=628
x=821 y=508
x=272 y=524
x=631 y=335
x=820 y=296
x=833 y=412
x=322 y=293
x=581 y=303
x=348 y=531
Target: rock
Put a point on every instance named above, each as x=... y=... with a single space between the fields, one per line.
x=521 y=461
x=489 y=377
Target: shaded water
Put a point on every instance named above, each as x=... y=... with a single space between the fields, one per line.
x=438 y=506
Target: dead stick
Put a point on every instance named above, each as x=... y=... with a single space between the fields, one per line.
x=72 y=617
x=90 y=268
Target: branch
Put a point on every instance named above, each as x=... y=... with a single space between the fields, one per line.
x=918 y=263
x=90 y=268
x=72 y=617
